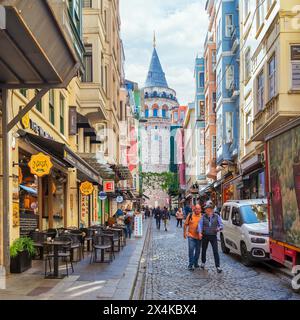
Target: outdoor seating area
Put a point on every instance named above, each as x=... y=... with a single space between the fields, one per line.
x=67 y=246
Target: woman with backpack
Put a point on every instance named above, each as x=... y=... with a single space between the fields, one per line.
x=179 y=217
x=191 y=233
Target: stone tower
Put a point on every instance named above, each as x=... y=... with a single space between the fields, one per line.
x=159 y=100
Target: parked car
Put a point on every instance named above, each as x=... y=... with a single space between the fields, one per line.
x=246 y=230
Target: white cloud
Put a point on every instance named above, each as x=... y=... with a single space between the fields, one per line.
x=180 y=26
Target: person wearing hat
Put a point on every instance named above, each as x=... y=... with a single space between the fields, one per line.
x=208 y=228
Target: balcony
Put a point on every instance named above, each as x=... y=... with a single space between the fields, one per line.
x=235 y=42
x=277 y=111
x=234 y=91
x=93 y=101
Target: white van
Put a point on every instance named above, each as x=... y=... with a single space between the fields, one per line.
x=246 y=230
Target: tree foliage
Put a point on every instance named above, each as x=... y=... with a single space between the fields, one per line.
x=167 y=181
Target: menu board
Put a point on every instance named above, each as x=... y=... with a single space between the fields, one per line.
x=28 y=222
x=138 y=226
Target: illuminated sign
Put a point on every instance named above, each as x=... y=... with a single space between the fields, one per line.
x=109 y=186
x=86 y=188
x=40 y=165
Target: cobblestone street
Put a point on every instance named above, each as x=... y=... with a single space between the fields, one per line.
x=167 y=277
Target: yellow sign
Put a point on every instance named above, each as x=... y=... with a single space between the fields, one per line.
x=40 y=165
x=16 y=217
x=25 y=121
x=86 y=188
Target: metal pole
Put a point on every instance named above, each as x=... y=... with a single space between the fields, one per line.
x=5 y=185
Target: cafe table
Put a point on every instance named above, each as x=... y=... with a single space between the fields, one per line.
x=56 y=246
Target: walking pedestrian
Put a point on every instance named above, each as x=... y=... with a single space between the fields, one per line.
x=147 y=212
x=165 y=217
x=128 y=222
x=157 y=217
x=190 y=231
x=209 y=226
x=179 y=217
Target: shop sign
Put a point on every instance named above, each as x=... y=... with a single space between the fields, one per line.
x=84 y=207
x=86 y=188
x=40 y=165
x=138 y=226
x=102 y=196
x=16 y=216
x=120 y=199
x=25 y=121
x=109 y=186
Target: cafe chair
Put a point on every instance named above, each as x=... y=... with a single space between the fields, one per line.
x=64 y=254
x=38 y=238
x=101 y=243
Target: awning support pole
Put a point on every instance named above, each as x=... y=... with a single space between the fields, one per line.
x=5 y=184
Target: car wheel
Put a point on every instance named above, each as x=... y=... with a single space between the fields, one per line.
x=223 y=245
x=245 y=256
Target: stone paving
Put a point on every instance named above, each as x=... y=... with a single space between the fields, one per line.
x=167 y=277
x=115 y=281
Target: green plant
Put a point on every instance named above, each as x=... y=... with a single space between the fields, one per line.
x=20 y=245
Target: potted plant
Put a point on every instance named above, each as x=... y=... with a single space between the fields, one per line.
x=21 y=252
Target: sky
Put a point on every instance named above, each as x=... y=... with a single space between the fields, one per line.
x=180 y=27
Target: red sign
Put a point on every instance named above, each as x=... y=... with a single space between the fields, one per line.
x=109 y=186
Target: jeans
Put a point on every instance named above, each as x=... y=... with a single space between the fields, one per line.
x=179 y=222
x=194 y=251
x=128 y=231
x=158 y=224
x=214 y=243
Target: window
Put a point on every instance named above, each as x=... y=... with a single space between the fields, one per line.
x=260 y=91
x=295 y=60
x=247 y=61
x=214 y=59
x=214 y=147
x=62 y=113
x=246 y=9
x=229 y=28
x=175 y=116
x=51 y=107
x=147 y=113
x=214 y=101
x=182 y=115
x=201 y=80
x=23 y=92
x=236 y=217
x=229 y=127
x=155 y=113
x=219 y=83
x=272 y=77
x=248 y=126
x=226 y=213
x=88 y=64
x=229 y=76
x=164 y=113
x=260 y=13
x=39 y=103
x=87 y=3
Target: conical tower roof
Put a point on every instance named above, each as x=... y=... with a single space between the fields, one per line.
x=156 y=76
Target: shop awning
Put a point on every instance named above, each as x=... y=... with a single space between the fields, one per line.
x=34 y=52
x=62 y=154
x=29 y=190
x=122 y=172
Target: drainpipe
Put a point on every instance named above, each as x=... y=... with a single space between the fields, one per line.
x=5 y=184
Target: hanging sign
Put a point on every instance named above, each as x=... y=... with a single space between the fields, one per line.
x=40 y=165
x=86 y=188
x=102 y=196
x=138 y=226
x=120 y=199
x=25 y=121
x=109 y=186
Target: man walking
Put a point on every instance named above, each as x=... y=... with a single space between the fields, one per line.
x=157 y=216
x=209 y=226
x=165 y=217
x=191 y=232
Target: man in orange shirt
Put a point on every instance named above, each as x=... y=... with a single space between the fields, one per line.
x=191 y=232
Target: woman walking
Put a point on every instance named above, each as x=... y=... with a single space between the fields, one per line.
x=179 y=217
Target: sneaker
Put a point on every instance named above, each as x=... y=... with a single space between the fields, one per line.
x=202 y=266
x=219 y=270
x=197 y=266
x=191 y=268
